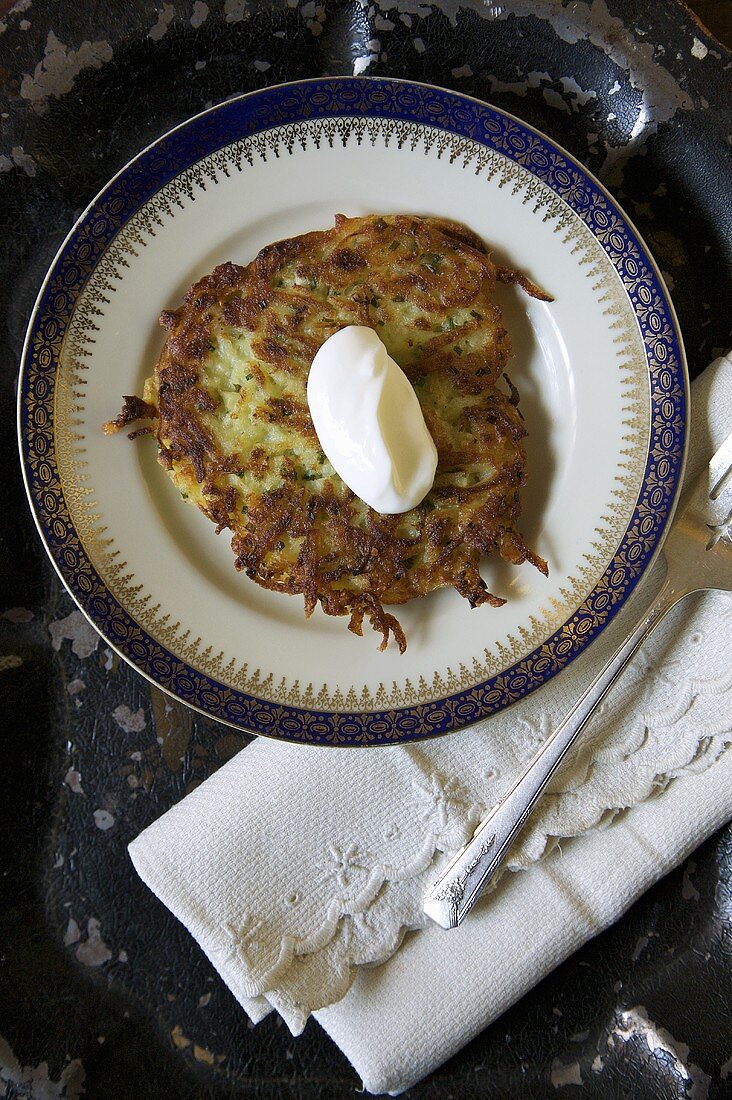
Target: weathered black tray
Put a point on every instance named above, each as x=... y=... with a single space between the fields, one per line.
x=100 y=988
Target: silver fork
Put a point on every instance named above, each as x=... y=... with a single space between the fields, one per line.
x=698 y=554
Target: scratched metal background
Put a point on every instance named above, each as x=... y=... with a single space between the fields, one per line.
x=102 y=993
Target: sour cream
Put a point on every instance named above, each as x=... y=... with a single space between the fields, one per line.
x=369 y=421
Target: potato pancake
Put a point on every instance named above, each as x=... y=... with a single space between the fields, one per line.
x=228 y=407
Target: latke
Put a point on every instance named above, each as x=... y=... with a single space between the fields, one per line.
x=228 y=407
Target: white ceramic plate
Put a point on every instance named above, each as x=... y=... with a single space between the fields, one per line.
x=600 y=371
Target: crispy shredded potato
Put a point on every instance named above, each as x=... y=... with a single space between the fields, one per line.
x=227 y=404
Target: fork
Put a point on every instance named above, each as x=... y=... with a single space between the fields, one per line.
x=698 y=555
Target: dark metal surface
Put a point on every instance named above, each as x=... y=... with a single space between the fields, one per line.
x=100 y=988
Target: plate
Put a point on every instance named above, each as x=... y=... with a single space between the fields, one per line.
x=601 y=372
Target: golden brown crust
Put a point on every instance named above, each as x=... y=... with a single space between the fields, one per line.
x=234 y=428
x=133 y=409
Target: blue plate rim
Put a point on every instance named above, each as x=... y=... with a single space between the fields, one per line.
x=272 y=719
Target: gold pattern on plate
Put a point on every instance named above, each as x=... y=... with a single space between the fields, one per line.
x=100 y=544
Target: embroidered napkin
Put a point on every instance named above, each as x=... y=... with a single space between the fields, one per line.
x=298 y=868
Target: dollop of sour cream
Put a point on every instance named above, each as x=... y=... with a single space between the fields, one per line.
x=369 y=421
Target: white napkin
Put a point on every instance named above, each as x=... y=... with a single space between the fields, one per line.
x=295 y=867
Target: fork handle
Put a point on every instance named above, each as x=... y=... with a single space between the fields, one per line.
x=454 y=894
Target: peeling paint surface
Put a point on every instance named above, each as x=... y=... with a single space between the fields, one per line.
x=662 y=94
x=127 y=721
x=235 y=10
x=570 y=99
x=72 y=779
x=199 y=15
x=78 y=630
x=72 y=934
x=103 y=819
x=18 y=159
x=93 y=951
x=18 y=615
x=565 y=1074
x=635 y=1025
x=35 y=1082
x=689 y=891
x=165 y=18
x=56 y=73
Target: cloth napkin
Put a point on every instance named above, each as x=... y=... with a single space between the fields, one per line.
x=298 y=869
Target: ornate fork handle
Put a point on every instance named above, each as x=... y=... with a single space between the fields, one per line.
x=453 y=895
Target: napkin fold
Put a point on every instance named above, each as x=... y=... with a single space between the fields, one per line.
x=299 y=868
x=401 y=1021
